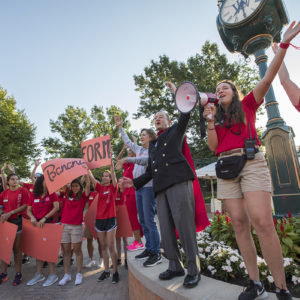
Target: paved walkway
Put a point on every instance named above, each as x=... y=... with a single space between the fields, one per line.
x=90 y=288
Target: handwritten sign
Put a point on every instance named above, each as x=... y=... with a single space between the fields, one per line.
x=90 y=217
x=60 y=171
x=7 y=237
x=96 y=152
x=41 y=243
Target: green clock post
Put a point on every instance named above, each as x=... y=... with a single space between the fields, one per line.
x=249 y=27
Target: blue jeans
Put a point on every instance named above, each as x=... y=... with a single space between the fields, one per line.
x=146 y=207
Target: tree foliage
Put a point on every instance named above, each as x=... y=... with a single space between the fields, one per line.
x=204 y=70
x=17 y=141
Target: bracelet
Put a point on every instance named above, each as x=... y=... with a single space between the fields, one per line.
x=212 y=128
x=284 y=45
x=46 y=218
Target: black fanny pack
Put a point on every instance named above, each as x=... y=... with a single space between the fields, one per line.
x=230 y=167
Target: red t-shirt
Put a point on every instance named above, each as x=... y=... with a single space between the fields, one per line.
x=28 y=186
x=120 y=198
x=10 y=200
x=234 y=137
x=106 y=203
x=72 y=211
x=92 y=197
x=42 y=206
x=128 y=169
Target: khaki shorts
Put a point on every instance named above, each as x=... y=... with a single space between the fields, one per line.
x=87 y=234
x=254 y=176
x=72 y=234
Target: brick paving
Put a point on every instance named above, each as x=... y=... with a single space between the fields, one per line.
x=90 y=288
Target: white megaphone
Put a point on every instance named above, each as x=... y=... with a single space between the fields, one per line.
x=187 y=97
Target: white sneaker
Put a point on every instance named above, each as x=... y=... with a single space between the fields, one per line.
x=101 y=263
x=52 y=278
x=91 y=263
x=78 y=279
x=37 y=278
x=65 y=279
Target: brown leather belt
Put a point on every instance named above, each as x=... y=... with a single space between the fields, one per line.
x=236 y=151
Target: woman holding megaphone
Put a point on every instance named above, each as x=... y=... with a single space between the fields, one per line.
x=243 y=177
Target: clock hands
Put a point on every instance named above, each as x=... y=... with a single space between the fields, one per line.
x=241 y=6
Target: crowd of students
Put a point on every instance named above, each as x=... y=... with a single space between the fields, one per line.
x=158 y=176
x=115 y=218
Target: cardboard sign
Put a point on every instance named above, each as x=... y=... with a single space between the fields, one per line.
x=90 y=217
x=7 y=237
x=60 y=171
x=41 y=243
x=96 y=152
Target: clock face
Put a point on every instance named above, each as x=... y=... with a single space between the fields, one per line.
x=235 y=11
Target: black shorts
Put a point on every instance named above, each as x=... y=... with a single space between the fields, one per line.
x=17 y=221
x=105 y=225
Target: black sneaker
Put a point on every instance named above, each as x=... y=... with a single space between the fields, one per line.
x=283 y=295
x=153 y=259
x=104 y=275
x=26 y=260
x=18 y=279
x=115 y=277
x=253 y=291
x=146 y=253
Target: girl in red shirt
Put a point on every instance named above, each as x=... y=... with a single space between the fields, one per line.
x=72 y=218
x=137 y=244
x=41 y=209
x=90 y=239
x=106 y=224
x=12 y=202
x=124 y=229
x=247 y=197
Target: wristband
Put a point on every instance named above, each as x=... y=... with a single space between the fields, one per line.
x=46 y=218
x=284 y=45
x=212 y=128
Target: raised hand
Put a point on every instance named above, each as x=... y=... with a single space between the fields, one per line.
x=171 y=86
x=11 y=168
x=126 y=182
x=3 y=168
x=291 y=32
x=118 y=121
x=37 y=162
x=120 y=163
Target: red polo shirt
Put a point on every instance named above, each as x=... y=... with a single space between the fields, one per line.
x=10 y=200
x=72 y=211
x=106 y=202
x=42 y=206
x=234 y=137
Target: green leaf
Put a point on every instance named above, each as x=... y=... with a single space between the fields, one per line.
x=288 y=242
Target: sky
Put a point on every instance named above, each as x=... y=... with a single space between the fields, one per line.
x=56 y=53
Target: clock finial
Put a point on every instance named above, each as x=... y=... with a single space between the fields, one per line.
x=220 y=2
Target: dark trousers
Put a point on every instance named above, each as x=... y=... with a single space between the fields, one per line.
x=176 y=208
